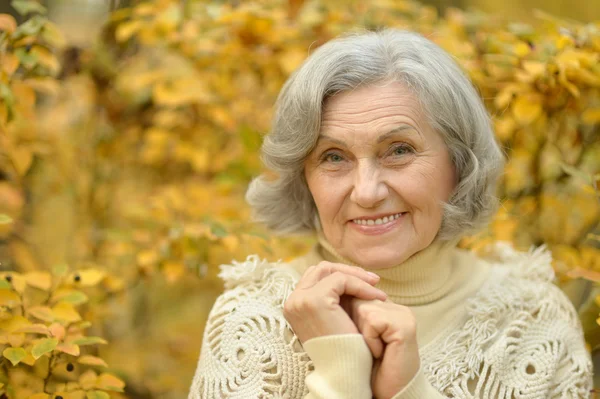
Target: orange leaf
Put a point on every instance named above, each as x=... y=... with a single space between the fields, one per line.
x=68 y=348
x=7 y=23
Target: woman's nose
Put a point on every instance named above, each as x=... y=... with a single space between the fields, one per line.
x=369 y=190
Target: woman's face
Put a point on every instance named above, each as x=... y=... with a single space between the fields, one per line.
x=378 y=175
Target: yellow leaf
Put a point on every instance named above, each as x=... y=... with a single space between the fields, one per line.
x=66 y=312
x=46 y=59
x=113 y=283
x=126 y=30
x=34 y=329
x=7 y=23
x=43 y=85
x=16 y=339
x=92 y=361
x=505 y=128
x=97 y=395
x=181 y=91
x=39 y=396
x=591 y=116
x=88 y=380
x=87 y=277
x=39 y=279
x=22 y=158
x=9 y=298
x=54 y=36
x=291 y=59
x=14 y=323
x=42 y=312
x=535 y=68
x=527 y=108
x=110 y=383
x=147 y=257
x=69 y=348
x=173 y=271
x=69 y=295
x=29 y=359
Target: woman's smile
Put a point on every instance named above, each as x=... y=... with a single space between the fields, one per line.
x=378 y=225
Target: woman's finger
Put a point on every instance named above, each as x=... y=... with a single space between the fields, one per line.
x=314 y=274
x=339 y=284
x=370 y=334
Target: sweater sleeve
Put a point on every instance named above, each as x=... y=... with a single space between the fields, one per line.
x=342 y=367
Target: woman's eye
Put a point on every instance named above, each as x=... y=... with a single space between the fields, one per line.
x=332 y=157
x=401 y=150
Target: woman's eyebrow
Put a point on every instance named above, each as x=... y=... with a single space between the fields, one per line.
x=394 y=131
x=332 y=139
x=381 y=139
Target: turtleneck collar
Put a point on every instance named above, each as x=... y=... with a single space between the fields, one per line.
x=423 y=278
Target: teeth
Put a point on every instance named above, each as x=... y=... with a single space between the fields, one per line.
x=371 y=222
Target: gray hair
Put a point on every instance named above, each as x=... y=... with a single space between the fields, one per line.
x=454 y=109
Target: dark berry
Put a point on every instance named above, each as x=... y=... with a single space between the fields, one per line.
x=77 y=278
x=70 y=367
x=8 y=278
x=58 y=397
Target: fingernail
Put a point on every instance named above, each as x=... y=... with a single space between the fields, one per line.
x=373 y=275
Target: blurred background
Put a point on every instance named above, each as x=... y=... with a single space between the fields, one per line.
x=129 y=131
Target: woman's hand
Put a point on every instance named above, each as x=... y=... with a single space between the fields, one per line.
x=390 y=331
x=316 y=306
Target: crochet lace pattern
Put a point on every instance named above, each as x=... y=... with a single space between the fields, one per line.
x=520 y=338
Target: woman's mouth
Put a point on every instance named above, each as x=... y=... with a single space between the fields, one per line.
x=377 y=226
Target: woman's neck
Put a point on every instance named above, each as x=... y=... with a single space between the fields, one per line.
x=423 y=278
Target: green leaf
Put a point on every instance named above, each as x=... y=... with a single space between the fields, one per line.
x=4 y=218
x=5 y=285
x=88 y=341
x=97 y=395
x=218 y=230
x=25 y=7
x=30 y=27
x=27 y=59
x=43 y=346
x=75 y=298
x=15 y=355
x=6 y=94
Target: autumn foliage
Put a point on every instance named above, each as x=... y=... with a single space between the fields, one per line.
x=123 y=168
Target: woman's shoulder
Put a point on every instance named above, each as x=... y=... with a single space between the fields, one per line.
x=523 y=280
x=518 y=328
x=259 y=275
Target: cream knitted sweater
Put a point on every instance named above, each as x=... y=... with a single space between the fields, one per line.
x=492 y=328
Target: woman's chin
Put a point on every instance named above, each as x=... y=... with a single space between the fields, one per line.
x=375 y=259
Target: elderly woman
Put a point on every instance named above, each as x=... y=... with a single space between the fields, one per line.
x=384 y=149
